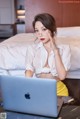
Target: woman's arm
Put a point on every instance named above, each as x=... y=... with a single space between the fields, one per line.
x=59 y=65
x=28 y=73
x=29 y=61
x=58 y=61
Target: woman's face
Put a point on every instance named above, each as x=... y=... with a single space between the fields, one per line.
x=41 y=32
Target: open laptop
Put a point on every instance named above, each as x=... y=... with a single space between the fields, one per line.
x=30 y=95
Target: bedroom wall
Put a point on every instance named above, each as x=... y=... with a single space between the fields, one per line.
x=66 y=14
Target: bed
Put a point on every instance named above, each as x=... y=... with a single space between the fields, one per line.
x=13 y=51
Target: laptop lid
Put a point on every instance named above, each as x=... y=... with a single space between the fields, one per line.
x=29 y=95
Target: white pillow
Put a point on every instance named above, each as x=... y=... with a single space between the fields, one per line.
x=68 y=31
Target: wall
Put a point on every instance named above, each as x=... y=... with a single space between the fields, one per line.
x=20 y=2
x=66 y=14
x=7 y=12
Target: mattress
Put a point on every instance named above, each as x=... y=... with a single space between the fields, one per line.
x=12 y=72
x=71 y=74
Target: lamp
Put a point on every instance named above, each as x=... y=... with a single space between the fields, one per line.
x=21 y=14
x=21 y=10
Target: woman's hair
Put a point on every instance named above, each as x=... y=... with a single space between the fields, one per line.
x=47 y=20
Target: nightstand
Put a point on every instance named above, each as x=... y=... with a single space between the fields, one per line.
x=20 y=28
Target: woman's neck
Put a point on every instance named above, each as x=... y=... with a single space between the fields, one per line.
x=47 y=46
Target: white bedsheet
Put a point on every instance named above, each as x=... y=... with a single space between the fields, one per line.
x=73 y=74
x=13 y=51
x=16 y=73
x=13 y=57
x=3 y=72
x=74 y=43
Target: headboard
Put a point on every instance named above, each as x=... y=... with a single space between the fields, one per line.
x=66 y=14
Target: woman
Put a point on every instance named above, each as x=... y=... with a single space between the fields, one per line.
x=45 y=58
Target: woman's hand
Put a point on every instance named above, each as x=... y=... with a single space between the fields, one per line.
x=28 y=73
x=58 y=61
x=52 y=41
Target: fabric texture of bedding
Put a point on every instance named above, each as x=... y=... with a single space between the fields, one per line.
x=14 y=49
x=74 y=43
x=68 y=31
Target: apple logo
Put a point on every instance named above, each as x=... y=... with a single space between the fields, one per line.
x=27 y=96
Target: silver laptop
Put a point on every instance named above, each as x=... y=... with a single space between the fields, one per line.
x=30 y=95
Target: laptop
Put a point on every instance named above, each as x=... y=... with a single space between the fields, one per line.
x=34 y=96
